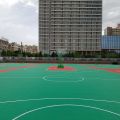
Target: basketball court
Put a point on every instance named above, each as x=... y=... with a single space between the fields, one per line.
x=43 y=92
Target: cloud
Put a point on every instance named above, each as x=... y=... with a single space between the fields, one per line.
x=111 y=13
x=10 y=3
x=19 y=20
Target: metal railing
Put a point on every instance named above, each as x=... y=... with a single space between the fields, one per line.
x=55 y=60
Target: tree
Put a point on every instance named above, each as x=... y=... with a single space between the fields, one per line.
x=54 y=54
x=40 y=54
x=3 y=53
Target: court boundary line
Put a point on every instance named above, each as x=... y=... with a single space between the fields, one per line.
x=68 y=105
x=40 y=99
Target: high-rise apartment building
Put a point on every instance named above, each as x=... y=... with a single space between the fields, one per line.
x=70 y=25
x=110 y=31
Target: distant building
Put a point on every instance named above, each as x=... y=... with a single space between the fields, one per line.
x=4 y=44
x=14 y=46
x=30 y=48
x=111 y=43
x=112 y=31
x=23 y=48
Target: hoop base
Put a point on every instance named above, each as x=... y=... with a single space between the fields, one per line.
x=60 y=66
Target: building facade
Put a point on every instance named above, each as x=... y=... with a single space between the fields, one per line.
x=14 y=47
x=3 y=44
x=70 y=25
x=112 y=31
x=30 y=49
x=111 y=43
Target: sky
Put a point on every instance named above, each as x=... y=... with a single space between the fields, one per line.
x=19 y=19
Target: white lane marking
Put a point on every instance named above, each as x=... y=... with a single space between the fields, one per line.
x=84 y=99
x=64 y=105
x=44 y=78
x=21 y=77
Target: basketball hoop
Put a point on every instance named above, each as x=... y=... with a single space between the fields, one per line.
x=60 y=53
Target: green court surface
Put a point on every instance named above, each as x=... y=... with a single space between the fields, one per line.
x=36 y=93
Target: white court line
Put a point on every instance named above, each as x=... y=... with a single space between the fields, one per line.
x=21 y=77
x=40 y=99
x=47 y=77
x=44 y=78
x=68 y=105
x=105 y=79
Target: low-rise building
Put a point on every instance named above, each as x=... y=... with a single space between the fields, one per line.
x=111 y=43
x=14 y=46
x=110 y=31
x=4 y=44
x=30 y=48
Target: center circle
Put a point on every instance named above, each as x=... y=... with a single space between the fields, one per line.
x=63 y=78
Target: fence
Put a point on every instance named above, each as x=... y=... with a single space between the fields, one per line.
x=55 y=60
